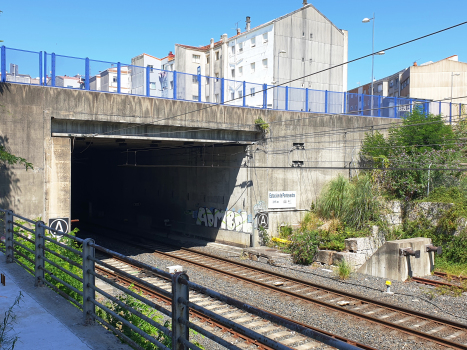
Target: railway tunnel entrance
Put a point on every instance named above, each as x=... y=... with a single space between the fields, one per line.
x=167 y=188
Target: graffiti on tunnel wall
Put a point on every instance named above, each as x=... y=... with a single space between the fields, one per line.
x=224 y=219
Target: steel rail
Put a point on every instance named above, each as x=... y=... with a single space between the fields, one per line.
x=128 y=280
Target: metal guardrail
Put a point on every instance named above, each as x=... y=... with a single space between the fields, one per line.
x=85 y=289
x=54 y=70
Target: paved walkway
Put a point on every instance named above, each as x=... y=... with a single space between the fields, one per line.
x=45 y=320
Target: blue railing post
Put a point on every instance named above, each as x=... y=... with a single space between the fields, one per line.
x=345 y=103
x=265 y=96
x=53 y=69
x=45 y=68
x=286 y=98
x=222 y=90
x=307 y=101
x=326 y=101
x=395 y=107
x=379 y=105
x=86 y=74
x=439 y=107
x=40 y=67
x=119 y=77
x=3 y=63
x=244 y=93
x=148 y=81
x=450 y=112
x=175 y=84
x=363 y=104
x=199 y=87
x=411 y=105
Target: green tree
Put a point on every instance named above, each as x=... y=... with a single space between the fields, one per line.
x=8 y=158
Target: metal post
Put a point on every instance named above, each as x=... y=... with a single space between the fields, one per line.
x=199 y=87
x=45 y=68
x=307 y=100
x=53 y=69
x=175 y=84
x=450 y=112
x=326 y=101
x=379 y=106
x=362 y=104
x=222 y=90
x=265 y=96
x=39 y=254
x=119 y=77
x=244 y=93
x=3 y=69
x=411 y=104
x=395 y=107
x=345 y=102
x=148 y=81
x=10 y=253
x=88 y=281
x=440 y=108
x=286 y=98
x=86 y=74
x=40 y=67
x=179 y=311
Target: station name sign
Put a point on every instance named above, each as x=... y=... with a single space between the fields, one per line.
x=282 y=199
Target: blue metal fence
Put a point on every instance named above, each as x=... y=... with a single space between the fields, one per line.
x=50 y=69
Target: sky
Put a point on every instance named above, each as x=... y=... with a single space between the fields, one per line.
x=118 y=30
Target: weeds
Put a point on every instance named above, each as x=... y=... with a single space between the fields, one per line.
x=343 y=270
x=8 y=341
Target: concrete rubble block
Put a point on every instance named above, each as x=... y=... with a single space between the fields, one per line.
x=358 y=244
x=354 y=259
x=325 y=256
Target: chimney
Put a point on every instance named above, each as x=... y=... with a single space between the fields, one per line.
x=238 y=31
x=415 y=64
x=247 y=23
x=305 y=2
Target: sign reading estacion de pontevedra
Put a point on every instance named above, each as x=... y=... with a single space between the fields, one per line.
x=282 y=199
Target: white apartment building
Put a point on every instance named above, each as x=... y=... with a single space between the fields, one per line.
x=107 y=80
x=287 y=48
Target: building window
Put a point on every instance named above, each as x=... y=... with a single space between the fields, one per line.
x=240 y=71
x=303 y=34
x=240 y=47
x=265 y=37
x=252 y=91
x=196 y=58
x=207 y=59
x=265 y=63
x=217 y=55
x=232 y=95
x=195 y=79
x=217 y=76
x=114 y=79
x=391 y=84
x=207 y=81
x=311 y=36
x=380 y=87
x=233 y=50
x=252 y=66
x=171 y=84
x=253 y=42
x=240 y=94
x=233 y=73
x=195 y=97
x=151 y=67
x=152 y=86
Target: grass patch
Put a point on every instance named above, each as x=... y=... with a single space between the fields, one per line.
x=343 y=270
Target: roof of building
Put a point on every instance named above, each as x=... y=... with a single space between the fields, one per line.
x=218 y=43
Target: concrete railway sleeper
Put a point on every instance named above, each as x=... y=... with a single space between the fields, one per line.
x=202 y=321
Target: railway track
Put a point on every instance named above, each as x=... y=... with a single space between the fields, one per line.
x=273 y=331
x=441 y=331
x=435 y=283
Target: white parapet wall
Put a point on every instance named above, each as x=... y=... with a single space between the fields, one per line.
x=388 y=263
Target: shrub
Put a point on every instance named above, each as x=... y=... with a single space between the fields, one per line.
x=303 y=246
x=285 y=231
x=343 y=270
x=330 y=204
